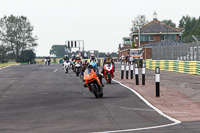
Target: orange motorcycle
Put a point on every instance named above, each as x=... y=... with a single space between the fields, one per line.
x=93 y=83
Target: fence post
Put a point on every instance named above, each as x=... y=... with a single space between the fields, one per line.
x=143 y=74
x=127 y=69
x=136 y=74
x=122 y=70
x=131 y=69
x=157 y=79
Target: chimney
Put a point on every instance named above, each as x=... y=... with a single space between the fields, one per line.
x=154 y=15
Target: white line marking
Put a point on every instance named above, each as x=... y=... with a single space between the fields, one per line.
x=150 y=105
x=138 y=129
x=55 y=70
x=133 y=108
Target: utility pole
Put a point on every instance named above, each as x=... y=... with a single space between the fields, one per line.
x=139 y=34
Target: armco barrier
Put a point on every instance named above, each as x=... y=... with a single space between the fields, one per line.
x=162 y=65
x=147 y=63
x=190 y=67
x=181 y=66
x=175 y=64
x=198 y=68
x=166 y=63
x=171 y=65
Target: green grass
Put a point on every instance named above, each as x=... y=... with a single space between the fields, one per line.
x=2 y=65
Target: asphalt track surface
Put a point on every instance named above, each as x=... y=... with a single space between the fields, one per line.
x=44 y=99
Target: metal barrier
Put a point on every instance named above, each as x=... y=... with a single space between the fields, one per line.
x=174 y=50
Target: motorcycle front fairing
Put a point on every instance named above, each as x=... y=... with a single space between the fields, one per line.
x=91 y=77
x=108 y=69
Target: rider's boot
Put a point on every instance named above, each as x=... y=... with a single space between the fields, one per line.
x=84 y=85
x=102 y=84
x=102 y=71
x=100 y=77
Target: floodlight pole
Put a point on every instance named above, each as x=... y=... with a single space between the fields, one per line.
x=139 y=36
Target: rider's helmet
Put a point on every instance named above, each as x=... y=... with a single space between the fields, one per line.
x=107 y=54
x=77 y=55
x=66 y=56
x=92 y=56
x=85 y=63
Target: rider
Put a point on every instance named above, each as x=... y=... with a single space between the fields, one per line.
x=108 y=59
x=93 y=58
x=65 y=58
x=78 y=58
x=73 y=57
x=84 y=66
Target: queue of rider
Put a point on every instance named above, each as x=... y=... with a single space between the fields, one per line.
x=91 y=64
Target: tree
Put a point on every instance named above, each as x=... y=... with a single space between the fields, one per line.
x=191 y=26
x=59 y=50
x=140 y=20
x=114 y=54
x=3 y=53
x=170 y=23
x=27 y=55
x=133 y=45
x=16 y=32
x=183 y=21
x=102 y=54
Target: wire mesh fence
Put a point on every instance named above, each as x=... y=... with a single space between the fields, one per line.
x=174 y=50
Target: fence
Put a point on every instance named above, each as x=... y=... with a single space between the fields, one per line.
x=174 y=50
x=190 y=67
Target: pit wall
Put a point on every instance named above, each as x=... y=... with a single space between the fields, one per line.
x=190 y=67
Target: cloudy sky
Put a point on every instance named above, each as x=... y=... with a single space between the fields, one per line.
x=100 y=23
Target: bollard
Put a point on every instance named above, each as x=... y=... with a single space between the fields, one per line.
x=122 y=70
x=127 y=69
x=157 y=78
x=136 y=74
x=143 y=74
x=131 y=69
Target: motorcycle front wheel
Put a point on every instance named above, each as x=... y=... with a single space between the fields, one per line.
x=77 y=72
x=66 y=70
x=95 y=91
x=109 y=78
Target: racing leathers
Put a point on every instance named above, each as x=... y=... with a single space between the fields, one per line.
x=108 y=60
x=93 y=59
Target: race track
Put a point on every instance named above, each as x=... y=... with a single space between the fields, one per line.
x=44 y=99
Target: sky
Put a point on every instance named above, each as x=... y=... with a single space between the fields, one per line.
x=100 y=23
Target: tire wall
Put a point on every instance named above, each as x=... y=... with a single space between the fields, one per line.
x=190 y=67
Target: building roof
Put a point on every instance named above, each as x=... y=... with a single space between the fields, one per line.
x=156 y=26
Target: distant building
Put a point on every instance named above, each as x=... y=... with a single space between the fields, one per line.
x=154 y=31
x=125 y=48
